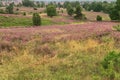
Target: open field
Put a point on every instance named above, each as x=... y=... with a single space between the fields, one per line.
x=60 y=41
x=66 y=52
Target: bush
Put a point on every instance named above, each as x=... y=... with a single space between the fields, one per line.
x=35 y=8
x=36 y=19
x=24 y=13
x=117 y=27
x=51 y=10
x=99 y=18
x=111 y=65
x=17 y=9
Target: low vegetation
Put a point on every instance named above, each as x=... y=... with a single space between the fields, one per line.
x=117 y=27
x=99 y=18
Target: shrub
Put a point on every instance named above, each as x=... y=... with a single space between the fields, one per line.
x=99 y=18
x=51 y=10
x=117 y=27
x=111 y=65
x=24 y=13
x=35 y=8
x=36 y=19
x=17 y=9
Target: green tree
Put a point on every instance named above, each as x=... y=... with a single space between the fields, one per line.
x=9 y=9
x=66 y=3
x=28 y=3
x=70 y=10
x=51 y=10
x=115 y=12
x=78 y=12
x=36 y=19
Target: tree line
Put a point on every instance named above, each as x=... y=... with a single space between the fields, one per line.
x=73 y=9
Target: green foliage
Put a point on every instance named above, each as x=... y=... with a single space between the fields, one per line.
x=78 y=12
x=98 y=6
x=51 y=10
x=70 y=10
x=28 y=3
x=99 y=18
x=9 y=9
x=95 y=6
x=111 y=65
x=73 y=4
x=115 y=12
x=36 y=19
x=117 y=27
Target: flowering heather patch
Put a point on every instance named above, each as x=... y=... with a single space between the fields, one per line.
x=50 y=33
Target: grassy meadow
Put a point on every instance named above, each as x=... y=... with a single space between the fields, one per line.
x=8 y=21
